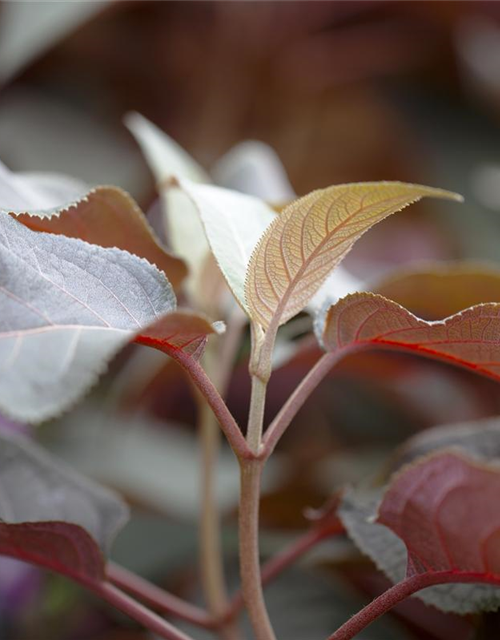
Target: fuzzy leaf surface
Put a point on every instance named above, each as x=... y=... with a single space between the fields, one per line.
x=470 y=339
x=108 y=217
x=311 y=236
x=67 y=308
x=52 y=516
x=389 y=554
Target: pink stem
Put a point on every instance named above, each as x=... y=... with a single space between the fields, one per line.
x=400 y=592
x=157 y=597
x=217 y=404
x=138 y=612
x=295 y=402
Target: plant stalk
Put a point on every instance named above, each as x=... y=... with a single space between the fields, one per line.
x=251 y=471
x=276 y=565
x=400 y=592
x=256 y=415
x=138 y=612
x=218 y=359
x=157 y=597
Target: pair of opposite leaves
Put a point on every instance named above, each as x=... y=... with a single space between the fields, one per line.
x=69 y=306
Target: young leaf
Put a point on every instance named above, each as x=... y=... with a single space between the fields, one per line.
x=437 y=291
x=51 y=516
x=442 y=507
x=167 y=161
x=470 y=339
x=165 y=157
x=108 y=217
x=309 y=239
x=233 y=223
x=67 y=308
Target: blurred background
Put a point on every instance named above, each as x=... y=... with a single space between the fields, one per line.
x=342 y=91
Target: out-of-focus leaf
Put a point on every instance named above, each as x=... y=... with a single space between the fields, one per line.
x=32 y=121
x=443 y=509
x=479 y=439
x=51 y=516
x=436 y=291
x=156 y=465
x=233 y=222
x=28 y=29
x=108 y=217
x=311 y=236
x=166 y=158
x=470 y=339
x=25 y=191
x=388 y=552
x=67 y=308
x=254 y=168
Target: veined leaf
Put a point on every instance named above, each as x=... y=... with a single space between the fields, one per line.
x=233 y=223
x=444 y=509
x=52 y=516
x=311 y=236
x=435 y=291
x=470 y=339
x=67 y=308
x=480 y=440
x=108 y=217
x=389 y=554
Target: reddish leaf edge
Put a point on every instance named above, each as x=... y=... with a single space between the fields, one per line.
x=415 y=582
x=419 y=350
x=26 y=540
x=325 y=363
x=31 y=218
x=89 y=571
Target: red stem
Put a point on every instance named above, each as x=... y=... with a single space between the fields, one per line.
x=217 y=404
x=138 y=612
x=157 y=597
x=400 y=592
